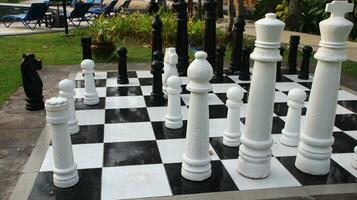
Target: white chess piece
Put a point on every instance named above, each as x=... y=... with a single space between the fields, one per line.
x=255 y=151
x=232 y=132
x=291 y=132
x=314 y=149
x=196 y=165
x=64 y=169
x=66 y=87
x=170 y=62
x=354 y=161
x=173 y=117
x=90 y=93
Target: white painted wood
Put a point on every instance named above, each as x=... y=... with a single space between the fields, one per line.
x=170 y=69
x=173 y=117
x=66 y=88
x=90 y=93
x=314 y=150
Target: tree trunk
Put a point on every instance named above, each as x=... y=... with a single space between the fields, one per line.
x=293 y=18
x=230 y=17
x=239 y=7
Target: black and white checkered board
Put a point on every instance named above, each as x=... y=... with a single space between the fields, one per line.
x=124 y=151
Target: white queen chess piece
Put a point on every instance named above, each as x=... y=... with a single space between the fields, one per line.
x=255 y=151
x=291 y=132
x=231 y=136
x=66 y=87
x=90 y=93
x=64 y=169
x=196 y=165
x=314 y=150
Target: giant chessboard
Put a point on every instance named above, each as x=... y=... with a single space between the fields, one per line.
x=124 y=151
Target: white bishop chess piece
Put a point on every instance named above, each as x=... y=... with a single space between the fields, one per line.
x=90 y=93
x=314 y=150
x=255 y=151
x=66 y=87
x=170 y=62
x=196 y=161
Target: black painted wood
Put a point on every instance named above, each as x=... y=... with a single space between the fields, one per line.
x=237 y=45
x=209 y=43
x=293 y=50
x=157 y=71
x=156 y=39
x=86 y=43
x=218 y=73
x=304 y=70
x=244 y=73
x=122 y=67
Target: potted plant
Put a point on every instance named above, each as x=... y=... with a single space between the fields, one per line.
x=103 y=34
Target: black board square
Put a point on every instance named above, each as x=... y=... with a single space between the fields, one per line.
x=98 y=83
x=217 y=111
x=145 y=81
x=88 y=134
x=79 y=104
x=350 y=105
x=223 y=152
x=125 y=115
x=343 y=143
x=113 y=74
x=346 y=122
x=161 y=132
x=124 y=91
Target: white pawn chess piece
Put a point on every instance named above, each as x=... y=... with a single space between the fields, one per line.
x=170 y=62
x=90 y=93
x=255 y=151
x=314 y=149
x=196 y=165
x=173 y=117
x=291 y=132
x=354 y=161
x=66 y=87
x=64 y=168
x=231 y=136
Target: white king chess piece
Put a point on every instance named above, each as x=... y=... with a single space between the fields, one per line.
x=170 y=62
x=255 y=151
x=314 y=150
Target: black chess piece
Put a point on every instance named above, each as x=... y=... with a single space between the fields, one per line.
x=218 y=73
x=157 y=71
x=305 y=63
x=86 y=43
x=153 y=7
x=209 y=42
x=180 y=7
x=293 y=50
x=156 y=40
x=219 y=8
x=244 y=73
x=122 y=67
x=278 y=65
x=237 y=45
x=32 y=82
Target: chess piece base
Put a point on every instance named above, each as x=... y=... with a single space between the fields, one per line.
x=196 y=170
x=91 y=100
x=289 y=139
x=65 y=178
x=34 y=104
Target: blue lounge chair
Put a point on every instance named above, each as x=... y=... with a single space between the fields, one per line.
x=106 y=10
x=79 y=14
x=35 y=15
x=96 y=2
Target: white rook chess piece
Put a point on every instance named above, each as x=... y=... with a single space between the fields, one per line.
x=291 y=132
x=64 y=169
x=170 y=61
x=173 y=117
x=354 y=161
x=66 y=87
x=255 y=150
x=90 y=93
x=232 y=133
x=196 y=165
x=316 y=138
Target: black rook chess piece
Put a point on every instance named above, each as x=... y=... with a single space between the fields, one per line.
x=86 y=47
x=32 y=82
x=244 y=73
x=157 y=70
x=218 y=73
x=156 y=40
x=237 y=45
x=180 y=7
x=122 y=68
x=209 y=43
x=293 y=50
x=278 y=65
x=304 y=70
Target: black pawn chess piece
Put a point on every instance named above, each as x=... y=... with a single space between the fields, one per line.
x=86 y=43
x=278 y=66
x=304 y=70
x=156 y=40
x=32 y=82
x=209 y=42
x=237 y=45
x=293 y=50
x=218 y=73
x=157 y=71
x=244 y=73
x=180 y=7
x=122 y=67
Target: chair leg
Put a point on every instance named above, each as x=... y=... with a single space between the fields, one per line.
x=8 y=25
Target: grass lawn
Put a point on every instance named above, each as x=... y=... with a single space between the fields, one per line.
x=56 y=48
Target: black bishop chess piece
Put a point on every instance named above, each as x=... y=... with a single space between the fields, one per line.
x=157 y=71
x=304 y=70
x=244 y=73
x=293 y=50
x=32 y=82
x=218 y=73
x=122 y=67
x=156 y=39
